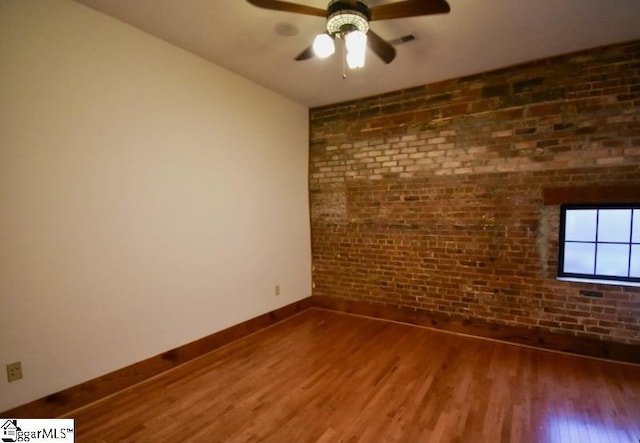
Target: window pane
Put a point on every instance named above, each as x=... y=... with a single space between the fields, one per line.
x=614 y=225
x=613 y=260
x=636 y=226
x=635 y=261
x=579 y=258
x=580 y=225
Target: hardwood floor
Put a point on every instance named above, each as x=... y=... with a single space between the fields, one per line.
x=323 y=376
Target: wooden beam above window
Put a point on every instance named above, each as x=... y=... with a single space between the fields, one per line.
x=591 y=194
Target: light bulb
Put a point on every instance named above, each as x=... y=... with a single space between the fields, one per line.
x=356 y=43
x=323 y=45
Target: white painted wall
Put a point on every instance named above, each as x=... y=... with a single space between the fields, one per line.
x=147 y=197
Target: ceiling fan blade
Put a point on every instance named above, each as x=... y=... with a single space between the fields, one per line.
x=409 y=8
x=277 y=5
x=381 y=47
x=306 y=54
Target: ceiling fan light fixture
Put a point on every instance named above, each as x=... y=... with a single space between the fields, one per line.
x=347 y=16
x=323 y=46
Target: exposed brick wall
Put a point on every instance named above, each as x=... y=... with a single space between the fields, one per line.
x=431 y=198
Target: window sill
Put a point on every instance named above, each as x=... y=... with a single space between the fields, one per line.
x=599 y=281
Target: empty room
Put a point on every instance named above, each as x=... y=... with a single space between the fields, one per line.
x=320 y=221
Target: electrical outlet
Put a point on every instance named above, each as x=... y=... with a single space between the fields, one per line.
x=14 y=371
x=277 y=290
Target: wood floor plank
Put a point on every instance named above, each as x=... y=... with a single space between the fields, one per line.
x=323 y=376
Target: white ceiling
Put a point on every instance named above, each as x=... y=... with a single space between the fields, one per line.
x=478 y=35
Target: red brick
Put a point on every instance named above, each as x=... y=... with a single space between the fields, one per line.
x=479 y=243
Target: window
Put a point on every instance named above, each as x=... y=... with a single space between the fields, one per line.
x=600 y=243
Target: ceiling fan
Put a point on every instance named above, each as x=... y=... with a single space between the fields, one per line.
x=349 y=20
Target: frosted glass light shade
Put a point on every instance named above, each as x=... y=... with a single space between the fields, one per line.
x=356 y=43
x=323 y=46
